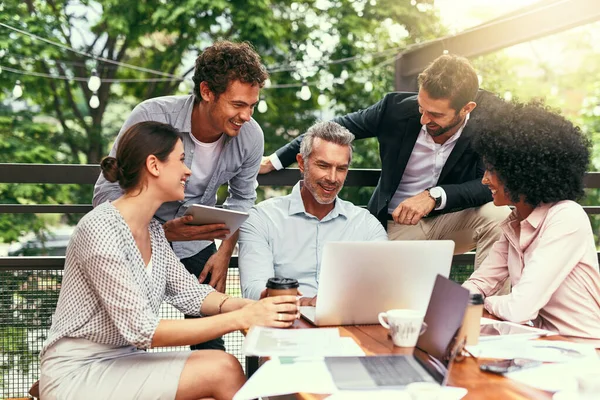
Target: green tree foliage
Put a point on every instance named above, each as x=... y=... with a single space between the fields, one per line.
x=27 y=139
x=165 y=36
x=297 y=41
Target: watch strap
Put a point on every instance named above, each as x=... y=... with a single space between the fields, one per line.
x=437 y=200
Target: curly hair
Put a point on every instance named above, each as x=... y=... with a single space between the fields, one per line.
x=225 y=62
x=535 y=152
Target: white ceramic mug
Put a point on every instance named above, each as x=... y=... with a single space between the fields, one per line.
x=405 y=326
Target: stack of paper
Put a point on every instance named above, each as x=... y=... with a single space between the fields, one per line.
x=271 y=342
x=569 y=361
x=540 y=350
x=564 y=361
x=274 y=378
x=297 y=364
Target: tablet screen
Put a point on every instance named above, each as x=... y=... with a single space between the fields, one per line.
x=501 y=329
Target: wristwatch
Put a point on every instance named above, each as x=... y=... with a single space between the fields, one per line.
x=436 y=194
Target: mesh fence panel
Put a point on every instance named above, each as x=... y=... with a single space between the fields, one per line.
x=27 y=301
x=460 y=273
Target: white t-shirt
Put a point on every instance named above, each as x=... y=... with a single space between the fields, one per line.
x=149 y=267
x=205 y=161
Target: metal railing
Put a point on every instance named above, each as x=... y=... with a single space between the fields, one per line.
x=27 y=301
x=29 y=286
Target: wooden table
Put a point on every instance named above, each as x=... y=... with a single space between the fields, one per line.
x=374 y=339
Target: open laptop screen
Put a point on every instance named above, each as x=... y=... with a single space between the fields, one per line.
x=444 y=318
x=434 y=353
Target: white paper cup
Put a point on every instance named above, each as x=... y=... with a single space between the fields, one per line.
x=405 y=326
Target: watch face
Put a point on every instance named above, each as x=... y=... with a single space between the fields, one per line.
x=435 y=192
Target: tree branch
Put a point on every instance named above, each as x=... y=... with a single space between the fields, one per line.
x=68 y=134
x=189 y=70
x=170 y=86
x=107 y=44
x=71 y=100
x=121 y=53
x=30 y=7
x=80 y=70
x=90 y=48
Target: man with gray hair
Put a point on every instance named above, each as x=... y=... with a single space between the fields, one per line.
x=284 y=236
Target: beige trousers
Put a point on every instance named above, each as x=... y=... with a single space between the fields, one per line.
x=474 y=228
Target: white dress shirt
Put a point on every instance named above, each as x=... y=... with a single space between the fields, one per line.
x=424 y=167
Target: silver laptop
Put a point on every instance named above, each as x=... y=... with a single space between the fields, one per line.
x=432 y=358
x=358 y=280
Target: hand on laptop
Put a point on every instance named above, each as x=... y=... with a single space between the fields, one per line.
x=308 y=301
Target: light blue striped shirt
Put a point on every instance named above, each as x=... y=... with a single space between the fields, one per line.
x=281 y=239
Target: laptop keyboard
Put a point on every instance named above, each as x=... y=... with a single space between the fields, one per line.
x=391 y=371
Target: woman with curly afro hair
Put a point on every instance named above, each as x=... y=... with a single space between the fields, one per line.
x=536 y=161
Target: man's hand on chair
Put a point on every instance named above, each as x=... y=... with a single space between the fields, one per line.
x=266 y=166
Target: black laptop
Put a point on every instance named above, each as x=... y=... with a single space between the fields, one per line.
x=431 y=359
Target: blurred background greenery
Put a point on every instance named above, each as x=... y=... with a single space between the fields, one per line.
x=344 y=49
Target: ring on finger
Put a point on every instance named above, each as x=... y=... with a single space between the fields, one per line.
x=279 y=317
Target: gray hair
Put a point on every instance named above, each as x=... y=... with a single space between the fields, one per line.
x=328 y=131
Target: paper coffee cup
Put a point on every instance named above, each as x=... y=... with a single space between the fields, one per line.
x=282 y=287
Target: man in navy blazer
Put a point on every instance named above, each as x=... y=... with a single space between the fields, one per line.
x=430 y=186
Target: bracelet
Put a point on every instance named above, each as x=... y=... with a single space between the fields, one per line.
x=223 y=300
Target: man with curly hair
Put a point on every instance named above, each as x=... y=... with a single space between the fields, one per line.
x=430 y=186
x=536 y=161
x=222 y=144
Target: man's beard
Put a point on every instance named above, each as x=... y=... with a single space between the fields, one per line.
x=311 y=185
x=456 y=121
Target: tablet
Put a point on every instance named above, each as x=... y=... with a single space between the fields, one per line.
x=204 y=215
x=499 y=329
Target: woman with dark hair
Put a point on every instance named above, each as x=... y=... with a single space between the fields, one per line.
x=119 y=269
x=536 y=161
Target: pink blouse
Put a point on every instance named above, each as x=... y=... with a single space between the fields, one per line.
x=551 y=261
